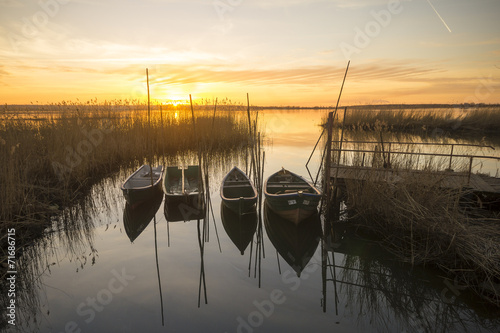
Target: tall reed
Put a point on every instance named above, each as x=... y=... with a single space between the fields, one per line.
x=408 y=119
x=49 y=158
x=426 y=224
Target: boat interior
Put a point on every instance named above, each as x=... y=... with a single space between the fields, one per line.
x=143 y=178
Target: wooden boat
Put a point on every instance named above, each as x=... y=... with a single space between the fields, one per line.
x=142 y=184
x=137 y=217
x=182 y=184
x=291 y=196
x=238 y=192
x=295 y=243
x=239 y=227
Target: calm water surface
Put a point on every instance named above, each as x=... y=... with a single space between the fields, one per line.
x=99 y=281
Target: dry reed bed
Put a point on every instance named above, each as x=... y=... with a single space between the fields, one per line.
x=427 y=225
x=475 y=119
x=47 y=163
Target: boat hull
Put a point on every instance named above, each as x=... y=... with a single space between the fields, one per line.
x=238 y=192
x=138 y=189
x=137 y=197
x=291 y=196
x=240 y=206
x=294 y=208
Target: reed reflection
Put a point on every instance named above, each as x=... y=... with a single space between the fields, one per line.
x=365 y=281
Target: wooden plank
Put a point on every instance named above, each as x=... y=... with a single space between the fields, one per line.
x=480 y=184
x=450 y=180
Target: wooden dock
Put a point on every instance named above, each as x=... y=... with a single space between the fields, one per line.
x=440 y=179
x=375 y=159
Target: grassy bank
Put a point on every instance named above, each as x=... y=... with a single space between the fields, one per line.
x=426 y=224
x=48 y=159
x=449 y=119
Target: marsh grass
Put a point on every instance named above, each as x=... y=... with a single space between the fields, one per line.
x=418 y=120
x=426 y=224
x=398 y=291
x=51 y=158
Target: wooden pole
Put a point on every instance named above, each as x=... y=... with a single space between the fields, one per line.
x=451 y=156
x=149 y=132
x=149 y=108
x=328 y=162
x=342 y=87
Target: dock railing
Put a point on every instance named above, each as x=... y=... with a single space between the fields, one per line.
x=388 y=149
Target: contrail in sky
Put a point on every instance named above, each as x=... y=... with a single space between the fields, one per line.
x=446 y=25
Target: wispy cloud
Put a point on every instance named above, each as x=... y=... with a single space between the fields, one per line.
x=464 y=43
x=307 y=76
x=3 y=71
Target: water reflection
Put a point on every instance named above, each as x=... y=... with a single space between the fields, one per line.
x=185 y=211
x=392 y=296
x=239 y=227
x=296 y=243
x=137 y=217
x=363 y=290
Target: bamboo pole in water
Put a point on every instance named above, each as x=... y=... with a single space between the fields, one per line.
x=342 y=86
x=154 y=218
x=149 y=108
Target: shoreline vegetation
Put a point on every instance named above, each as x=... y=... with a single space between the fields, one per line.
x=418 y=220
x=426 y=226
x=50 y=158
x=484 y=119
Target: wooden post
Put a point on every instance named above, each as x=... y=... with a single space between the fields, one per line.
x=389 y=157
x=470 y=169
x=328 y=162
x=149 y=108
x=451 y=156
x=340 y=145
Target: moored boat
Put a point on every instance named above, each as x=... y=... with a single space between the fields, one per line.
x=291 y=196
x=238 y=192
x=182 y=184
x=142 y=184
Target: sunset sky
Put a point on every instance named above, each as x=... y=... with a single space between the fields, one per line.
x=282 y=52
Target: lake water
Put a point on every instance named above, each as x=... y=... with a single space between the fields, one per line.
x=191 y=276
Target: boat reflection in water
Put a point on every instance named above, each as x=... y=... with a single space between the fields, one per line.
x=239 y=227
x=188 y=210
x=137 y=217
x=296 y=243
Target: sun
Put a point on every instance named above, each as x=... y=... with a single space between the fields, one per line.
x=175 y=102
x=176 y=99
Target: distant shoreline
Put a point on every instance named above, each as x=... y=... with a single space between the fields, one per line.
x=36 y=107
